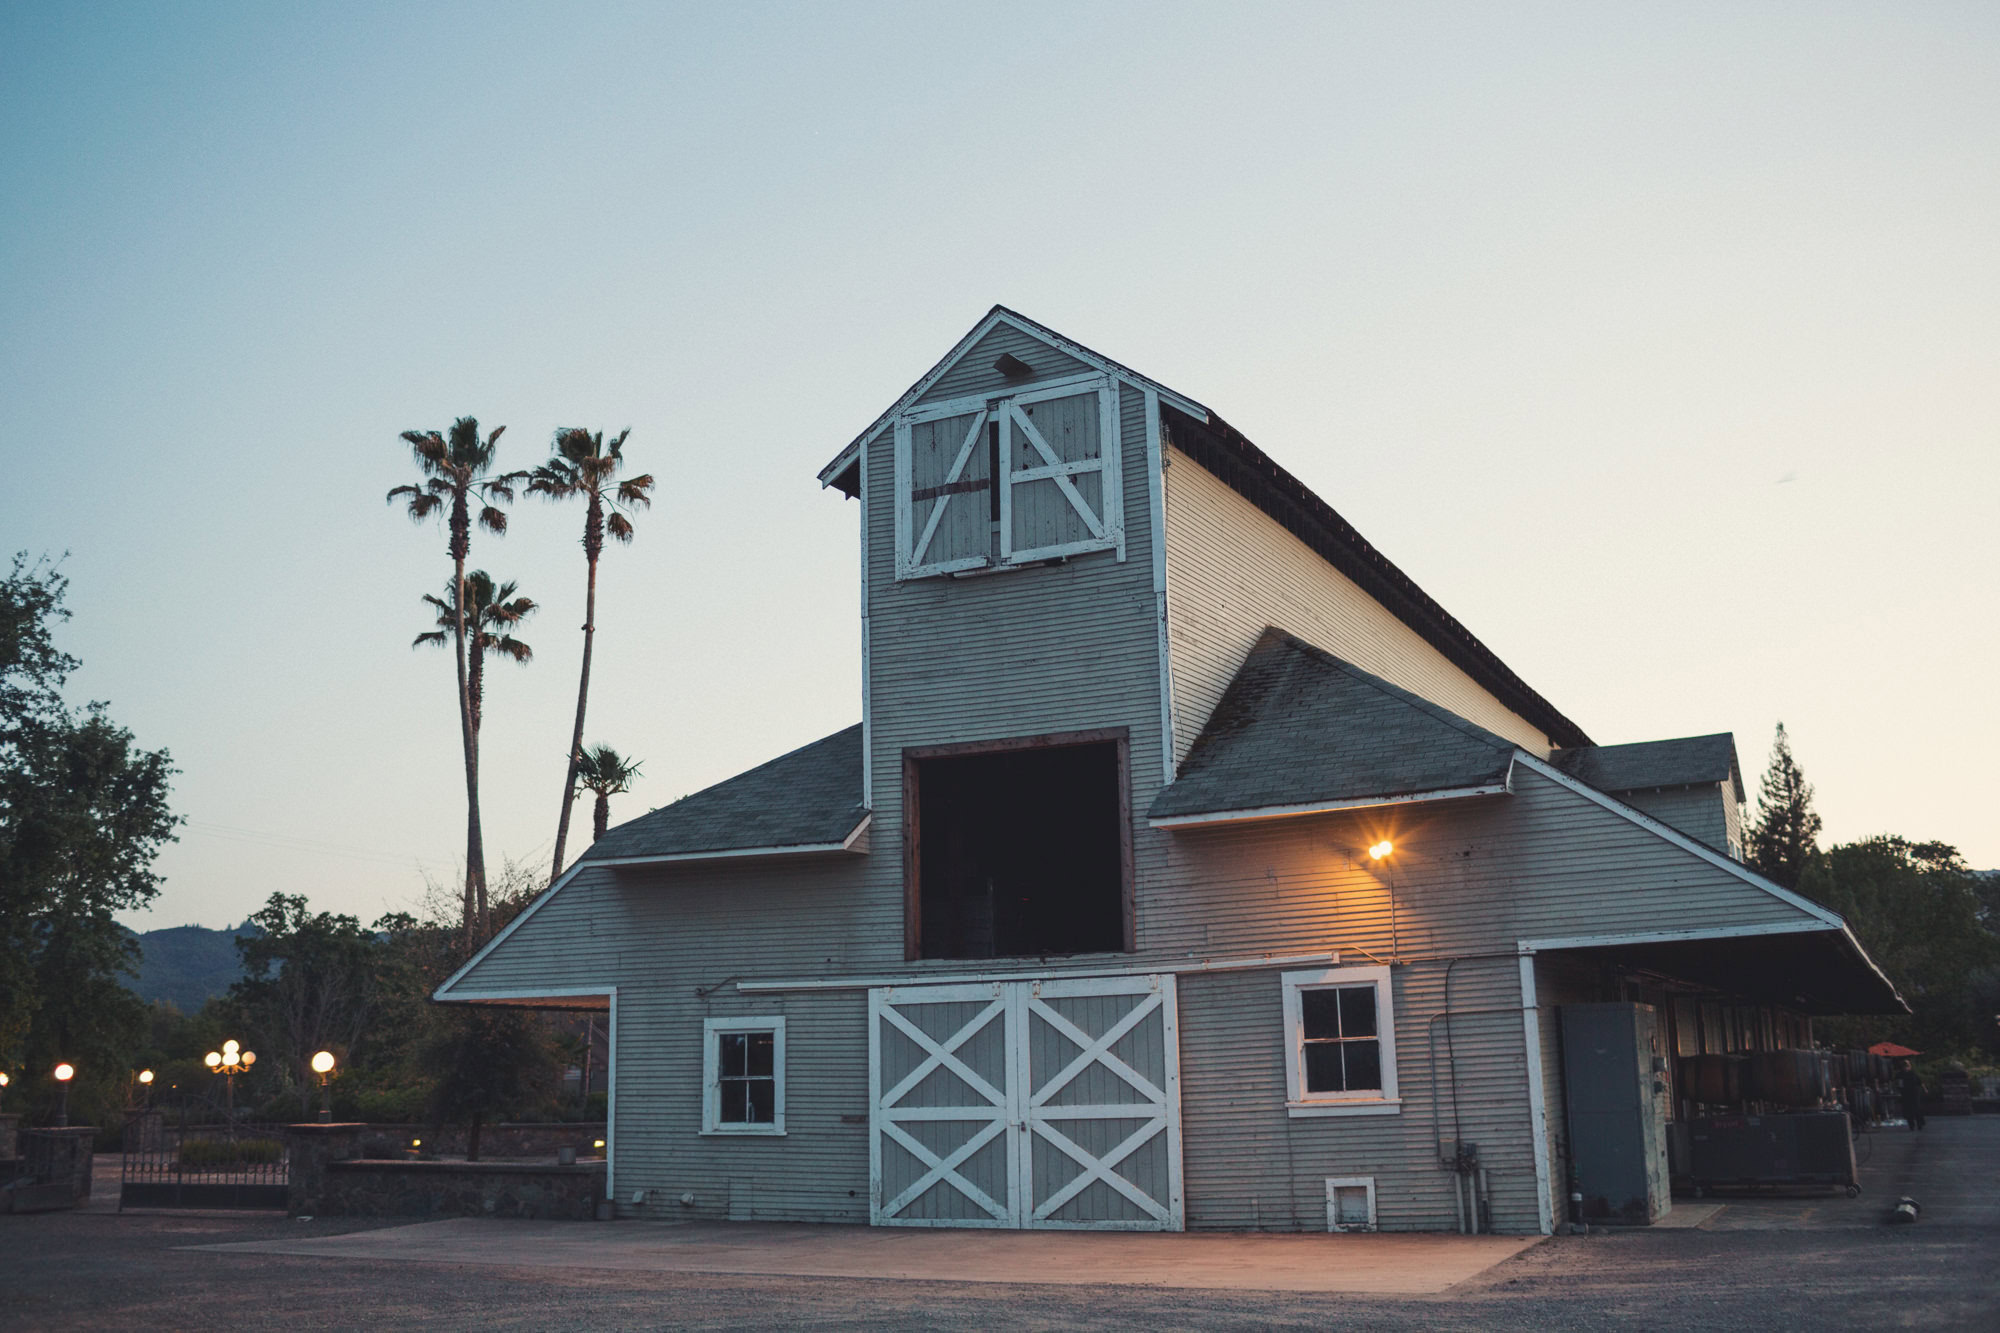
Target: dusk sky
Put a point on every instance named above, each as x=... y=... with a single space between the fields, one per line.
x=1660 y=344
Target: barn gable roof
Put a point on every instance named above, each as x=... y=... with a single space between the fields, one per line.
x=807 y=799
x=1299 y=730
x=1685 y=761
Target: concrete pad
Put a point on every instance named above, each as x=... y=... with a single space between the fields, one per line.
x=1359 y=1264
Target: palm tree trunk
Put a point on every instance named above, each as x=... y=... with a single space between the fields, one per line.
x=582 y=700
x=475 y=843
x=600 y=818
x=475 y=682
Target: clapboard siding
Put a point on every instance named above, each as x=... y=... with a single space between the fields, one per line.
x=974 y=373
x=1232 y=570
x=1075 y=646
x=1700 y=812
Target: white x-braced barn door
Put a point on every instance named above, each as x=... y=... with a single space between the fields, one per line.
x=1026 y=1104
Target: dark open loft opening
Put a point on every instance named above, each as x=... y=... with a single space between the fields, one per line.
x=1018 y=848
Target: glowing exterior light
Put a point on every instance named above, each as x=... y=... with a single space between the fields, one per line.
x=212 y=1060
x=65 y=1072
x=323 y=1062
x=599 y=1144
x=416 y=1143
x=1381 y=849
x=145 y=1076
x=3 y=1079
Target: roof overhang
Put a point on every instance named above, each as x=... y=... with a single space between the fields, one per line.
x=842 y=472
x=1801 y=965
x=854 y=844
x=1225 y=818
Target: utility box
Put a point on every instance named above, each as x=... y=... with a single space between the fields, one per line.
x=1614 y=1081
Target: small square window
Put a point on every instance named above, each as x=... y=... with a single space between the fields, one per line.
x=1340 y=1054
x=743 y=1076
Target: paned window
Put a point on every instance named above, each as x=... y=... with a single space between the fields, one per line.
x=1009 y=480
x=743 y=1076
x=1340 y=1055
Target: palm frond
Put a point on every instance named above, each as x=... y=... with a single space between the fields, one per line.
x=618 y=445
x=511 y=648
x=436 y=636
x=493 y=519
x=618 y=526
x=638 y=492
x=603 y=770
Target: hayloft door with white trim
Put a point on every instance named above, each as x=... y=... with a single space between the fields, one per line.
x=1044 y=1104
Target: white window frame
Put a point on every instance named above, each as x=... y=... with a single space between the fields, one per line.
x=1334 y=1183
x=711 y=1075
x=1108 y=529
x=1299 y=1102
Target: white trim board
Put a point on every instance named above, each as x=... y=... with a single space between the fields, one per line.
x=1549 y=943
x=1255 y=813
x=849 y=845
x=1156 y=514
x=1538 y=1110
x=443 y=992
x=1681 y=840
x=995 y=317
x=1326 y=957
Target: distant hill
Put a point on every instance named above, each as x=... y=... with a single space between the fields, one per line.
x=187 y=965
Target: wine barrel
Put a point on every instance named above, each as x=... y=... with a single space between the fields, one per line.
x=1787 y=1078
x=1713 y=1080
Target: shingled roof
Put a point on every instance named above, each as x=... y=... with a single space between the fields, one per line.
x=1687 y=761
x=808 y=798
x=1299 y=727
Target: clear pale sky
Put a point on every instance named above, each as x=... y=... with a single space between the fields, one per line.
x=1658 y=344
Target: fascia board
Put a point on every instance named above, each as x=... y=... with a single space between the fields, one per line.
x=851 y=845
x=1827 y=919
x=1213 y=818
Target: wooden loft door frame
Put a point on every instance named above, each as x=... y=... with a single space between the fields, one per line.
x=913 y=834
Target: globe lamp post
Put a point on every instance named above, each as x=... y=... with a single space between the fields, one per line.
x=64 y=1073
x=230 y=1061
x=322 y=1063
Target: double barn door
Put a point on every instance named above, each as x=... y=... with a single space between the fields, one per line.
x=1050 y=1103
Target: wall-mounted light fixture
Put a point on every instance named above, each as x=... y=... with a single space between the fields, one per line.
x=1382 y=849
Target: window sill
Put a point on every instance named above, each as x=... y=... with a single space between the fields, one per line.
x=745 y=1132
x=1306 y=1110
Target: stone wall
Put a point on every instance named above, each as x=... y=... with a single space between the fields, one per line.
x=10 y=1124
x=54 y=1169
x=507 y=1140
x=460 y=1189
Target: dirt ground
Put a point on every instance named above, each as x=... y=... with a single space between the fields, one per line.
x=1757 y=1264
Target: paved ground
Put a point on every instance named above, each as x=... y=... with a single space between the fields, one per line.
x=1758 y=1264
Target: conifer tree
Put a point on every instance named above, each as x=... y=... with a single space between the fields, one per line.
x=1785 y=838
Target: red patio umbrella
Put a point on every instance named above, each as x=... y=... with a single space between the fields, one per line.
x=1892 y=1050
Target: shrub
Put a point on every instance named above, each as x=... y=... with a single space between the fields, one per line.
x=225 y=1152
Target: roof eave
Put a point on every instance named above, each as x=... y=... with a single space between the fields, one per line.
x=1258 y=814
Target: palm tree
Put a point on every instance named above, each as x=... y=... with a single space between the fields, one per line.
x=490 y=612
x=584 y=466
x=603 y=771
x=455 y=478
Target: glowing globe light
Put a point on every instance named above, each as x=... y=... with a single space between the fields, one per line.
x=145 y=1076
x=212 y=1060
x=322 y=1062
x=65 y=1072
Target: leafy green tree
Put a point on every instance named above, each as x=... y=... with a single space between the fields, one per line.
x=310 y=983
x=492 y=613
x=583 y=467
x=605 y=772
x=83 y=814
x=1916 y=907
x=1785 y=837
x=455 y=481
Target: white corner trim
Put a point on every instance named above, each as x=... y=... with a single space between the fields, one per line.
x=867 y=685
x=1538 y=1110
x=1156 y=506
x=1545 y=944
x=1681 y=840
x=444 y=992
x=1255 y=813
x=610 y=1102
x=1313 y=1110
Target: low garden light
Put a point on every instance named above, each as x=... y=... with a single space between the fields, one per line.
x=322 y=1064
x=64 y=1073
